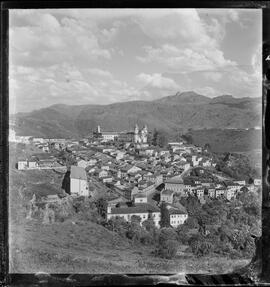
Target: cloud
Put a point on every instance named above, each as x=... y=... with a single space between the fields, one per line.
x=185 y=60
x=157 y=81
x=40 y=39
x=185 y=42
x=81 y=56
x=213 y=76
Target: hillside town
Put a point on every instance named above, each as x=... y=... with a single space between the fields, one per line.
x=138 y=175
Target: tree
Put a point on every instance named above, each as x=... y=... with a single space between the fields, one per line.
x=155 y=137
x=159 y=138
x=168 y=249
x=134 y=232
x=191 y=222
x=66 y=182
x=188 y=138
x=182 y=232
x=119 y=225
x=167 y=243
x=165 y=215
x=136 y=218
x=149 y=225
x=101 y=205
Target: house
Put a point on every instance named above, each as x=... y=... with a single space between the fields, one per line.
x=140 y=198
x=45 y=163
x=175 y=184
x=109 y=136
x=45 y=149
x=78 y=181
x=120 y=155
x=177 y=215
x=143 y=210
x=83 y=163
x=199 y=191
x=164 y=152
x=107 y=179
x=32 y=164
x=103 y=173
x=158 y=179
x=206 y=163
x=166 y=195
x=257 y=182
x=105 y=167
x=147 y=189
x=230 y=193
x=220 y=191
x=240 y=182
x=211 y=191
x=232 y=185
x=92 y=161
x=133 y=169
x=22 y=164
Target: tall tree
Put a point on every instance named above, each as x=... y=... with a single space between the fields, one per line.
x=165 y=216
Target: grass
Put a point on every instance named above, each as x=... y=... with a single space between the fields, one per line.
x=85 y=247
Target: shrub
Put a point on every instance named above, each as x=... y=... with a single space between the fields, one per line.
x=182 y=234
x=191 y=222
x=202 y=248
x=167 y=249
x=167 y=233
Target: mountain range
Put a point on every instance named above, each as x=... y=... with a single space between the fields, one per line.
x=171 y=114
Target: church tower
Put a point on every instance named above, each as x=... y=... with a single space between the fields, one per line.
x=136 y=134
x=144 y=133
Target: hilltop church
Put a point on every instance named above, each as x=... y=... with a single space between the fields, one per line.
x=139 y=137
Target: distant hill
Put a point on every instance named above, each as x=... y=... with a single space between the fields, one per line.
x=228 y=140
x=172 y=114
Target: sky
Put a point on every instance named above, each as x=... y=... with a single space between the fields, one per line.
x=103 y=56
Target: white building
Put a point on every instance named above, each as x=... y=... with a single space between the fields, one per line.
x=140 y=198
x=143 y=210
x=12 y=136
x=257 y=181
x=22 y=164
x=78 y=181
x=109 y=136
x=175 y=184
x=166 y=196
x=178 y=215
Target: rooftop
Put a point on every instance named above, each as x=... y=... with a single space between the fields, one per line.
x=167 y=192
x=175 y=179
x=138 y=208
x=140 y=195
x=78 y=172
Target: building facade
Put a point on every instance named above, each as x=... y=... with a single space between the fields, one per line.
x=78 y=181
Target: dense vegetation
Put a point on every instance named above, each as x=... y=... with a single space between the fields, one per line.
x=219 y=226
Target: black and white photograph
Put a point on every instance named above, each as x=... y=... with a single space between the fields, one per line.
x=135 y=140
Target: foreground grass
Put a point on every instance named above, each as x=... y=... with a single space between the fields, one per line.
x=85 y=247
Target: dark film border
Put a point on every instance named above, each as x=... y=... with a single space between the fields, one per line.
x=258 y=268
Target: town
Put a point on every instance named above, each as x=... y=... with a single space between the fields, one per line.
x=137 y=175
